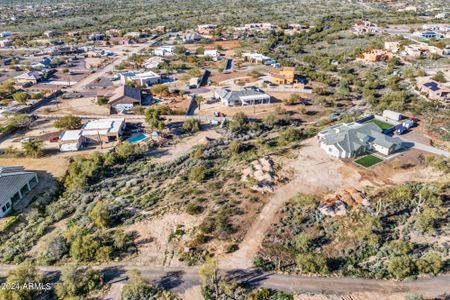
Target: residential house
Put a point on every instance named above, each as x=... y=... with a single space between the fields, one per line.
x=434 y=90
x=366 y=27
x=284 y=76
x=191 y=37
x=213 y=53
x=428 y=35
x=254 y=57
x=394 y=47
x=246 y=96
x=96 y=37
x=4 y=34
x=44 y=63
x=376 y=55
x=94 y=132
x=124 y=99
x=206 y=28
x=352 y=140
x=141 y=78
x=414 y=50
x=153 y=62
x=443 y=15
x=160 y=29
x=164 y=51
x=6 y=43
x=50 y=34
x=116 y=40
x=32 y=77
x=15 y=183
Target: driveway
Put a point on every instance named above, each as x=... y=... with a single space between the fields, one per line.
x=424 y=147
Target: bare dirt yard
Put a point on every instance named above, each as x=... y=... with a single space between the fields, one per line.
x=80 y=106
x=154 y=239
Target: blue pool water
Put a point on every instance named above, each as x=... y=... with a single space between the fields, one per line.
x=137 y=138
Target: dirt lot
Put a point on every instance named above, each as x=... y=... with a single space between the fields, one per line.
x=80 y=106
x=54 y=165
x=153 y=238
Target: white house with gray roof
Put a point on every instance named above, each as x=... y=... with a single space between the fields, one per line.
x=352 y=140
x=246 y=96
x=15 y=182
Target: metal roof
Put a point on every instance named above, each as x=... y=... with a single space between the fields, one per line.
x=12 y=181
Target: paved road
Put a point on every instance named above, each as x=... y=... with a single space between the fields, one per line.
x=424 y=147
x=180 y=279
x=80 y=85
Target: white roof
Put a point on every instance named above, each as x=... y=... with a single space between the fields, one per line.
x=104 y=125
x=69 y=147
x=70 y=135
x=138 y=75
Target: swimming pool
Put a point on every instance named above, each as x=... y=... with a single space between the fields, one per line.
x=137 y=138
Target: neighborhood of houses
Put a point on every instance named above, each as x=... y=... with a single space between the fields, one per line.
x=109 y=81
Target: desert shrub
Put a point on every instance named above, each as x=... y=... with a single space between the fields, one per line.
x=77 y=282
x=197 y=173
x=191 y=125
x=68 y=122
x=400 y=267
x=312 y=263
x=54 y=250
x=24 y=274
x=431 y=263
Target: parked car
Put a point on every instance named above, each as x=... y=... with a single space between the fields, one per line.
x=54 y=139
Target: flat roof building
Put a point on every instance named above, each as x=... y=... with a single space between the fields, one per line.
x=93 y=132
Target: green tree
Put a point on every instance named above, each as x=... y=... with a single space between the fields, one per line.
x=68 y=122
x=153 y=119
x=84 y=248
x=401 y=266
x=235 y=147
x=425 y=221
x=312 y=263
x=33 y=148
x=238 y=122
x=303 y=242
x=99 y=215
x=191 y=125
x=197 y=173
x=102 y=100
x=199 y=100
x=290 y=135
x=431 y=263
x=24 y=274
x=126 y=150
x=439 y=77
x=21 y=97
x=137 y=288
x=77 y=282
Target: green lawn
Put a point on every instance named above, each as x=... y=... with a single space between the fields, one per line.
x=381 y=124
x=368 y=161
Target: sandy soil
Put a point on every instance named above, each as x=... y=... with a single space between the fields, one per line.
x=80 y=106
x=153 y=239
x=55 y=166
